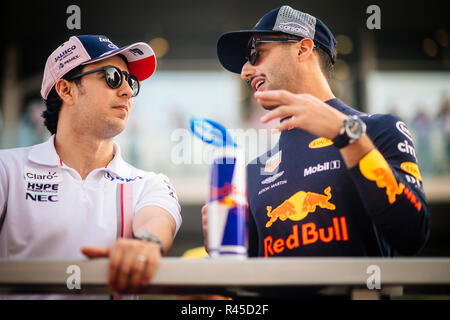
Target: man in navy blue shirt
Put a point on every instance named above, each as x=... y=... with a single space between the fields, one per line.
x=339 y=182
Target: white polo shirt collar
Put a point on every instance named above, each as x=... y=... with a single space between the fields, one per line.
x=45 y=154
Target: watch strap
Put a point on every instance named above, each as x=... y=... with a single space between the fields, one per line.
x=341 y=140
x=149 y=237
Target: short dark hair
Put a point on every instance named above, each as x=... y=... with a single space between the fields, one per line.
x=54 y=102
x=326 y=62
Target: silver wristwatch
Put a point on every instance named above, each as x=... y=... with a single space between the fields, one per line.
x=352 y=130
x=148 y=237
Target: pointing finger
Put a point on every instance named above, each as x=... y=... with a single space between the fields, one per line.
x=274 y=97
x=280 y=112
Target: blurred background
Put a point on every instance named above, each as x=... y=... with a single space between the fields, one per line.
x=402 y=68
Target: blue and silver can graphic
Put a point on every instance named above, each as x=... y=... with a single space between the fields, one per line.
x=227 y=204
x=227 y=207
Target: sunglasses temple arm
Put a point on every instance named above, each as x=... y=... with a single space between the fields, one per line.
x=86 y=73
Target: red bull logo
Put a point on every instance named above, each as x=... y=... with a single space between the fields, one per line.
x=221 y=192
x=229 y=202
x=222 y=173
x=309 y=234
x=298 y=206
x=374 y=167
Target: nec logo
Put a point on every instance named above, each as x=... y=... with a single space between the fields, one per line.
x=41 y=197
x=330 y=165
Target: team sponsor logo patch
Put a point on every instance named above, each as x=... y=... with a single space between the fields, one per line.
x=405 y=147
x=412 y=199
x=415 y=182
x=401 y=126
x=412 y=169
x=49 y=175
x=320 y=143
x=42 y=192
x=272 y=178
x=273 y=162
x=292 y=27
x=299 y=205
x=272 y=186
x=61 y=65
x=171 y=189
x=42 y=184
x=297 y=208
x=110 y=177
x=374 y=167
x=65 y=53
x=307 y=234
x=136 y=51
x=329 y=165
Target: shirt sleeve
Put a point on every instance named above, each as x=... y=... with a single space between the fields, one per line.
x=389 y=182
x=158 y=191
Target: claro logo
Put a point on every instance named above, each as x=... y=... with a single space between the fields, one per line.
x=34 y=176
x=42 y=175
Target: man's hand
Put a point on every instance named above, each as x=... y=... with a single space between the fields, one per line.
x=305 y=111
x=205 y=226
x=314 y=116
x=131 y=263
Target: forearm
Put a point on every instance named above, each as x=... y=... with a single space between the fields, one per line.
x=354 y=152
x=157 y=222
x=396 y=207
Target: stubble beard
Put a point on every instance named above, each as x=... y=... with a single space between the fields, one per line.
x=282 y=80
x=100 y=126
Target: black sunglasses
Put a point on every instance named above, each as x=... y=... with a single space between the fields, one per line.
x=114 y=78
x=253 y=53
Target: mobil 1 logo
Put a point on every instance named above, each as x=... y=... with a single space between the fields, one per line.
x=42 y=185
x=320 y=167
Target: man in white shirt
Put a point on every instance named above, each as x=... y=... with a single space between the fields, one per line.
x=74 y=196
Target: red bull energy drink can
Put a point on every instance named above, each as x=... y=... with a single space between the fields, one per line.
x=227 y=207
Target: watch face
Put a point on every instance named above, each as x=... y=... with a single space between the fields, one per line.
x=354 y=128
